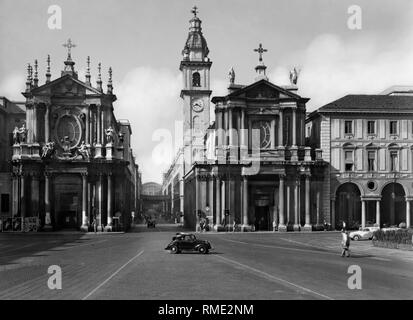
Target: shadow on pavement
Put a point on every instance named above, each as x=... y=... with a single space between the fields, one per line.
x=26 y=245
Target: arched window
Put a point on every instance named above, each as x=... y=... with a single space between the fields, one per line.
x=196 y=79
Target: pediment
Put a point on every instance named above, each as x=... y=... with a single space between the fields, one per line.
x=264 y=89
x=66 y=86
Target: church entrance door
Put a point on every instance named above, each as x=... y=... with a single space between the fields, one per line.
x=262 y=218
x=68 y=201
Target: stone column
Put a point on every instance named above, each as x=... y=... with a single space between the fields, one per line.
x=223 y=201
x=318 y=206
x=197 y=192
x=99 y=189
x=307 y=226
x=34 y=194
x=408 y=213
x=333 y=214
x=243 y=136
x=280 y=129
x=272 y=134
x=87 y=126
x=294 y=127
x=363 y=213
x=34 y=123
x=110 y=203
x=281 y=226
x=48 y=220
x=85 y=226
x=91 y=126
x=378 y=212
x=245 y=204
x=296 y=225
x=22 y=196
x=15 y=195
x=218 y=203
x=98 y=147
x=211 y=200
x=47 y=124
x=288 y=203
x=294 y=149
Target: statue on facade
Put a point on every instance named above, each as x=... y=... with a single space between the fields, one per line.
x=231 y=76
x=294 y=76
x=109 y=134
x=22 y=134
x=83 y=151
x=16 y=135
x=48 y=150
x=121 y=137
x=66 y=144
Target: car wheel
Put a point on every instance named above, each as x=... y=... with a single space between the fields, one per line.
x=356 y=238
x=174 y=249
x=202 y=250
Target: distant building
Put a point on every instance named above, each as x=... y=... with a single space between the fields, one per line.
x=368 y=142
x=72 y=161
x=12 y=115
x=173 y=186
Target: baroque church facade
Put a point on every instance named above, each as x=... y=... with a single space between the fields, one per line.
x=251 y=166
x=72 y=160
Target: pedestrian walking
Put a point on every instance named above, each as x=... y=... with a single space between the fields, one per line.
x=95 y=223
x=345 y=243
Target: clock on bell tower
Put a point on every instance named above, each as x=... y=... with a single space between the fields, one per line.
x=195 y=67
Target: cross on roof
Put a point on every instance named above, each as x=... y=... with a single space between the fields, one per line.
x=260 y=51
x=69 y=45
x=194 y=10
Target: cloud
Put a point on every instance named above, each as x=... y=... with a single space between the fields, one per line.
x=332 y=67
x=12 y=86
x=149 y=99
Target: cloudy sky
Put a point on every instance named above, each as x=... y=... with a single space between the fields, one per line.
x=142 y=40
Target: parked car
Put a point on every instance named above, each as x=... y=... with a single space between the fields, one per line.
x=363 y=234
x=188 y=242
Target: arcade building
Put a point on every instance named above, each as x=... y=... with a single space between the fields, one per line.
x=72 y=161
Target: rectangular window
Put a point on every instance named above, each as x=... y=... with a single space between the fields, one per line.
x=394 y=159
x=393 y=127
x=348 y=127
x=5 y=202
x=348 y=160
x=371 y=127
x=372 y=160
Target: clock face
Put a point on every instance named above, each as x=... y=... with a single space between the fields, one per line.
x=68 y=129
x=198 y=105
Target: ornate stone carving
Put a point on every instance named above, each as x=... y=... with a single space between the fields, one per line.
x=48 y=150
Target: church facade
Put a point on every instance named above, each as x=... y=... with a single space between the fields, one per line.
x=251 y=166
x=72 y=160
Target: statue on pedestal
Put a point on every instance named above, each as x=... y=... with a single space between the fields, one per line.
x=109 y=134
x=48 y=150
x=83 y=151
x=16 y=135
x=22 y=134
x=66 y=145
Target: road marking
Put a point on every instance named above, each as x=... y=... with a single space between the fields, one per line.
x=114 y=274
x=267 y=275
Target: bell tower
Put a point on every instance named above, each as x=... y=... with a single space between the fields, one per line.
x=195 y=67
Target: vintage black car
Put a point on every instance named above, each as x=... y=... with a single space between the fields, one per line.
x=188 y=241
